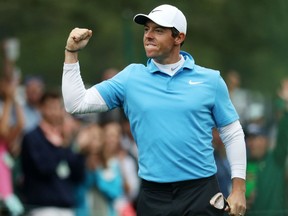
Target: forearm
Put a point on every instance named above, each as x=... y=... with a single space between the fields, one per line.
x=233 y=138
x=5 y=118
x=17 y=129
x=238 y=185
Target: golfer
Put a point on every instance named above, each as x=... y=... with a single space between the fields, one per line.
x=172 y=105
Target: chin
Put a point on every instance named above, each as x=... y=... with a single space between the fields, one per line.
x=150 y=55
x=151 y=52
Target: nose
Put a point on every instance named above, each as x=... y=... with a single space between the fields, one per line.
x=148 y=34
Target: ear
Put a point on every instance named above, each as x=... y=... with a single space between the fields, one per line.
x=180 y=38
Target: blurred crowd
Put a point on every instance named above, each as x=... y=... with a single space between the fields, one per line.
x=265 y=124
x=56 y=164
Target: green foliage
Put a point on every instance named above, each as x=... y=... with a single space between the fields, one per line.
x=249 y=36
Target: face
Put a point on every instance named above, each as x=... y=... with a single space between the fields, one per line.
x=34 y=90
x=257 y=146
x=159 y=43
x=112 y=137
x=53 y=111
x=233 y=79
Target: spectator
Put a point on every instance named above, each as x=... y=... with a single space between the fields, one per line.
x=257 y=147
x=280 y=105
x=127 y=163
x=281 y=102
x=238 y=95
x=34 y=88
x=117 y=184
x=269 y=172
x=11 y=126
x=89 y=200
x=29 y=95
x=50 y=166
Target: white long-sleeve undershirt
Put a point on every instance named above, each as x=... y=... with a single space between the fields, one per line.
x=78 y=99
x=232 y=136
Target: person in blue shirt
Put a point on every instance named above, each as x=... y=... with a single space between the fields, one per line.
x=172 y=105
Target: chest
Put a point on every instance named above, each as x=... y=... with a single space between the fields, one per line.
x=183 y=93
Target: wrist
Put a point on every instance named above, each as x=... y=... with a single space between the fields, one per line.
x=71 y=57
x=71 y=50
x=238 y=185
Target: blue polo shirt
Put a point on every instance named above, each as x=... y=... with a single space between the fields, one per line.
x=171 y=118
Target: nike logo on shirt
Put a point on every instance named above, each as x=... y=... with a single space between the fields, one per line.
x=194 y=83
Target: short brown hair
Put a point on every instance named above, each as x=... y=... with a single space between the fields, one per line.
x=50 y=95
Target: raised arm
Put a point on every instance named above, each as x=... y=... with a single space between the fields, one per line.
x=10 y=132
x=76 y=98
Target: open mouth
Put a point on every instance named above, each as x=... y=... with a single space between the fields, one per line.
x=150 y=45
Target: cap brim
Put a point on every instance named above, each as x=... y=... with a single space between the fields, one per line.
x=141 y=19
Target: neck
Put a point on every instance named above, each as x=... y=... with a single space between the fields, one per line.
x=52 y=132
x=172 y=58
x=170 y=69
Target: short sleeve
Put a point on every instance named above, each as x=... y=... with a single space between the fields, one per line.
x=113 y=90
x=223 y=111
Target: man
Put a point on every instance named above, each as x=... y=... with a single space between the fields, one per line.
x=51 y=167
x=267 y=166
x=34 y=89
x=11 y=128
x=172 y=105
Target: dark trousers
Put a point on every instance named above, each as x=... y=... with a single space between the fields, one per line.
x=185 y=198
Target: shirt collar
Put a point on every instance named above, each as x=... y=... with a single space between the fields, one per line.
x=189 y=63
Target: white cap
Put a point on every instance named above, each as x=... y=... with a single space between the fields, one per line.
x=165 y=16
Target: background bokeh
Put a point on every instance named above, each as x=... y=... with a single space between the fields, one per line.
x=248 y=36
x=244 y=36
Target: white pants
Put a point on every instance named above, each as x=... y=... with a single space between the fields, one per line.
x=52 y=211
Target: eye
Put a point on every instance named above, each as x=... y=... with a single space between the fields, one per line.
x=159 y=30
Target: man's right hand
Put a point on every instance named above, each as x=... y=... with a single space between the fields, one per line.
x=78 y=39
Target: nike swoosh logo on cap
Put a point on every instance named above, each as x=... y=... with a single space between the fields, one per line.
x=155 y=11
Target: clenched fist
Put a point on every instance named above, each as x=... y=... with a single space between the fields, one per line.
x=78 y=39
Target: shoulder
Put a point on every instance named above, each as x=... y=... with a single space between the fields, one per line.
x=35 y=131
x=134 y=67
x=209 y=75
x=129 y=72
x=32 y=135
x=207 y=71
x=131 y=68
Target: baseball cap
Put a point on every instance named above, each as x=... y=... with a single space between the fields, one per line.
x=255 y=130
x=165 y=16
